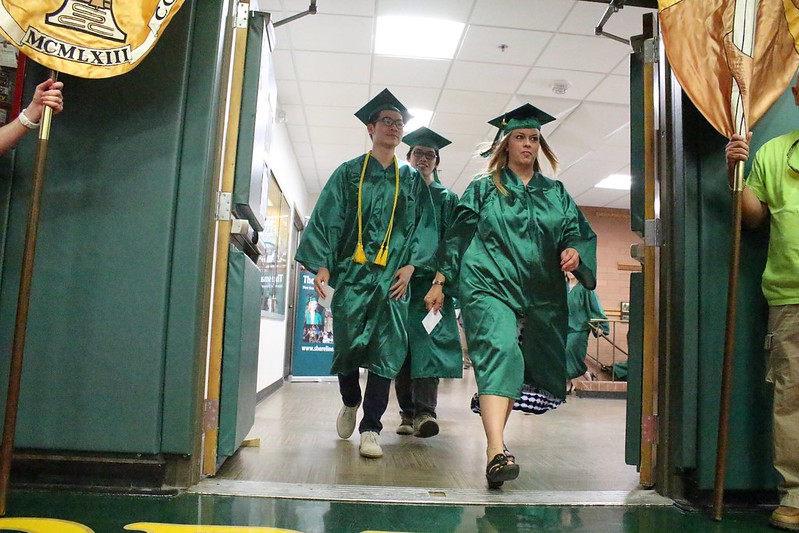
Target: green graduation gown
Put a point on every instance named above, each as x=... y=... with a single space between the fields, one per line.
x=369 y=328
x=437 y=355
x=504 y=253
x=583 y=306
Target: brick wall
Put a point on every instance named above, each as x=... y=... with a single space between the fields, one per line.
x=614 y=266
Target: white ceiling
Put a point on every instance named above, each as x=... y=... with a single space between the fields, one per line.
x=326 y=70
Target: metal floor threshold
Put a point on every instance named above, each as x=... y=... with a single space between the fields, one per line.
x=421 y=495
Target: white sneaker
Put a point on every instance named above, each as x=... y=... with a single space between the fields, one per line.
x=370 y=447
x=345 y=422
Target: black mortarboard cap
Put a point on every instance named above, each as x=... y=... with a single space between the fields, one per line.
x=381 y=102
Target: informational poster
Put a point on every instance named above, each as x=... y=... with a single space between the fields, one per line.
x=313 y=332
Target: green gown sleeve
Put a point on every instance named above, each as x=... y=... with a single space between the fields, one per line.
x=423 y=242
x=322 y=237
x=595 y=311
x=459 y=234
x=580 y=236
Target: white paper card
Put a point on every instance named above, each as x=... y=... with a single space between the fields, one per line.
x=429 y=322
x=327 y=301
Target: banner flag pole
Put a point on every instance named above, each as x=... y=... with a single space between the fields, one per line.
x=23 y=301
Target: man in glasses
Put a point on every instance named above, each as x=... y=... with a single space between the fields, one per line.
x=362 y=241
x=772 y=193
x=437 y=354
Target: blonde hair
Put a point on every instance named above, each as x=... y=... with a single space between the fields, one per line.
x=499 y=160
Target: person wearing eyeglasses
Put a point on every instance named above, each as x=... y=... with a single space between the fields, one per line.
x=771 y=193
x=437 y=354
x=362 y=241
x=47 y=94
x=513 y=235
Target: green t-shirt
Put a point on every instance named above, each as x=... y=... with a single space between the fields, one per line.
x=775 y=184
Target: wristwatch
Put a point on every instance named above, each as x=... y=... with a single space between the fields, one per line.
x=436 y=282
x=28 y=123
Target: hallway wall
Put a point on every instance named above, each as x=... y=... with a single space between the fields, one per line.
x=614 y=238
x=614 y=266
x=283 y=162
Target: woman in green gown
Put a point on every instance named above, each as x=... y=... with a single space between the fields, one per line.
x=514 y=233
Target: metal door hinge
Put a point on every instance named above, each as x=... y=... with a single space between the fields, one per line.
x=224 y=201
x=242 y=14
x=211 y=415
x=653 y=232
x=651 y=51
x=649 y=431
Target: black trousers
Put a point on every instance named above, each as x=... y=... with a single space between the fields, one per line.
x=375 y=399
x=416 y=397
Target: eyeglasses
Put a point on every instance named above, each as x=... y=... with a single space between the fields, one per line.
x=399 y=123
x=789 y=154
x=422 y=154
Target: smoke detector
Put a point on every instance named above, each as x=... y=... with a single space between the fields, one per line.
x=560 y=87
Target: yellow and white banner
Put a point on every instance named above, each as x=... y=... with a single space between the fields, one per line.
x=86 y=38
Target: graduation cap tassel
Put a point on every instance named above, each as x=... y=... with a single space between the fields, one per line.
x=382 y=256
x=360 y=255
x=493 y=144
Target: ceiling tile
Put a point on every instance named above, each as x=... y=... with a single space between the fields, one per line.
x=349 y=95
x=589 y=171
x=295 y=114
x=284 y=65
x=578 y=52
x=613 y=89
x=452 y=10
x=298 y=134
x=413 y=97
x=601 y=197
x=455 y=122
x=325 y=87
x=522 y=47
x=323 y=66
x=331 y=33
x=486 y=77
x=390 y=71
x=331 y=116
x=543 y=15
x=352 y=138
x=623 y=68
x=622 y=202
x=473 y=103
x=579 y=84
x=288 y=92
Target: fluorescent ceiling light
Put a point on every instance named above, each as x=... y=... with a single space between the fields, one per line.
x=417 y=37
x=615 y=181
x=421 y=117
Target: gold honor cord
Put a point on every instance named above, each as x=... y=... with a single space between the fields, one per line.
x=382 y=255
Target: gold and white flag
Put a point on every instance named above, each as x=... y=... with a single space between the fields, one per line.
x=86 y=38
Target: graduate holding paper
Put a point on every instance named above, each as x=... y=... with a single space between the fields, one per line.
x=363 y=240
x=514 y=233
x=437 y=353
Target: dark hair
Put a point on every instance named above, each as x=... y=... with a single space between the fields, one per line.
x=408 y=155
